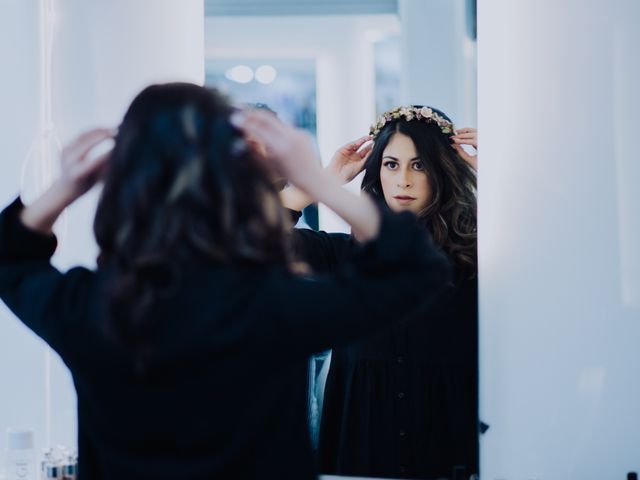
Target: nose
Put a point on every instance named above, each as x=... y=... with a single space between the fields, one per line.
x=404 y=179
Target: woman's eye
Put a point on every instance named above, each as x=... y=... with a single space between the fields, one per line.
x=417 y=166
x=390 y=164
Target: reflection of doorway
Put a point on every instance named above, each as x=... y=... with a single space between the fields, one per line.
x=286 y=86
x=341 y=49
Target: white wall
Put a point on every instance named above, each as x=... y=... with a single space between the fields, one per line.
x=103 y=53
x=22 y=355
x=559 y=234
x=438 y=58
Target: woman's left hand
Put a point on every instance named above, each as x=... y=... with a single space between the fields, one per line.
x=80 y=171
x=467 y=136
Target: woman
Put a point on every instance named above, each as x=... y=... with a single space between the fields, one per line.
x=186 y=358
x=403 y=403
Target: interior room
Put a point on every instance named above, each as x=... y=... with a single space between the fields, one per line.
x=549 y=89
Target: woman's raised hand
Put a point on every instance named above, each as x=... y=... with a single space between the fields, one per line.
x=80 y=171
x=293 y=154
x=467 y=136
x=349 y=160
x=290 y=151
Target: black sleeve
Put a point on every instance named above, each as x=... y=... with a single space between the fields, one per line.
x=398 y=275
x=294 y=215
x=323 y=252
x=44 y=299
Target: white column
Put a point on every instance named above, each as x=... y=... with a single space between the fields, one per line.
x=345 y=101
x=559 y=234
x=103 y=54
x=438 y=57
x=22 y=355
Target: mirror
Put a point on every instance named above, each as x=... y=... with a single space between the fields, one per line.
x=330 y=67
x=395 y=405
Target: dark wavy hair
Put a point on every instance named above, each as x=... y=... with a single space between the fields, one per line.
x=451 y=216
x=181 y=188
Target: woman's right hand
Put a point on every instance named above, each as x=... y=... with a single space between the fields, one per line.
x=349 y=160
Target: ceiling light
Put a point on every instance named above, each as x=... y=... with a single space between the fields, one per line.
x=266 y=74
x=240 y=74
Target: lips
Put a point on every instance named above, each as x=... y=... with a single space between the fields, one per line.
x=404 y=197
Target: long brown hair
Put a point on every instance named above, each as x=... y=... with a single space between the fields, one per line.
x=181 y=188
x=451 y=216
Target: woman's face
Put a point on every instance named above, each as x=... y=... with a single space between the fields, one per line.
x=404 y=180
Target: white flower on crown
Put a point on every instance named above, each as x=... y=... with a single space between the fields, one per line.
x=426 y=112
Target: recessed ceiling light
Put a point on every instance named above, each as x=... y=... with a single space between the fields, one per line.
x=266 y=74
x=240 y=74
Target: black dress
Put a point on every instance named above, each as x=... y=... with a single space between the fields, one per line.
x=402 y=403
x=221 y=390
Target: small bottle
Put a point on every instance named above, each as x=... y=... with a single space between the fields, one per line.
x=52 y=472
x=53 y=464
x=70 y=467
x=20 y=455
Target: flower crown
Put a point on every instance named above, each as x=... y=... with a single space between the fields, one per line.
x=424 y=114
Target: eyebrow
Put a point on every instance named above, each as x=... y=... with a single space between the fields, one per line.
x=394 y=158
